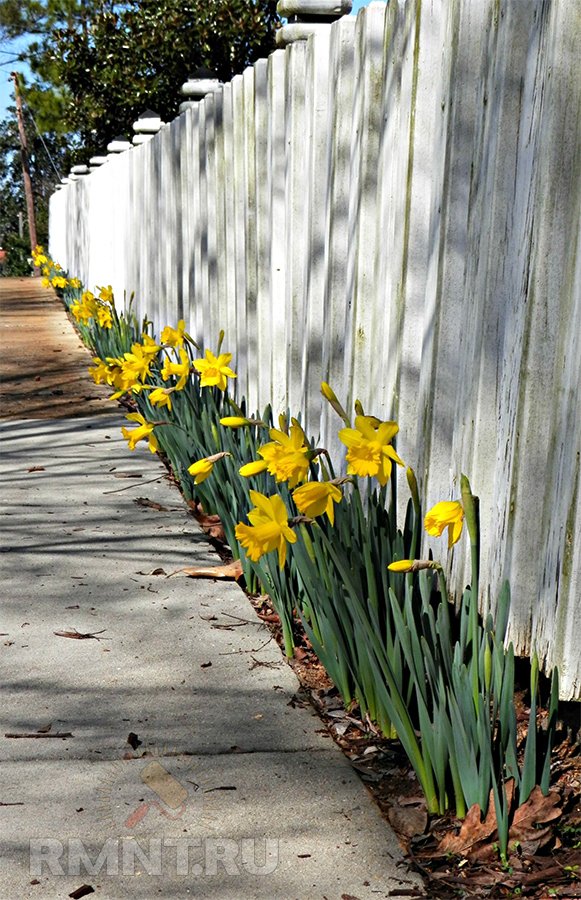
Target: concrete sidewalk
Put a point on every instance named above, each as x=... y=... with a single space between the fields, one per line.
x=241 y=794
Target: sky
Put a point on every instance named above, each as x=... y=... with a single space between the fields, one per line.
x=6 y=65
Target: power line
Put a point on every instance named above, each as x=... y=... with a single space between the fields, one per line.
x=58 y=174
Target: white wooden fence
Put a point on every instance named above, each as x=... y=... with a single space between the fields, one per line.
x=392 y=206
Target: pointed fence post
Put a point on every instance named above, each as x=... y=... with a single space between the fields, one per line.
x=119 y=144
x=202 y=82
x=306 y=17
x=148 y=124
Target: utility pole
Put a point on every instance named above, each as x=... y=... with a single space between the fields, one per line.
x=25 y=166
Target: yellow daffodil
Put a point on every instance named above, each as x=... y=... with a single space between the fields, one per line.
x=106 y=294
x=38 y=257
x=317 y=497
x=214 y=370
x=181 y=370
x=59 y=281
x=83 y=311
x=119 y=377
x=100 y=372
x=104 y=317
x=160 y=396
x=287 y=457
x=174 y=337
x=269 y=528
x=330 y=395
x=236 y=421
x=45 y=282
x=369 y=450
x=202 y=469
x=143 y=432
x=75 y=283
x=45 y=270
x=88 y=297
x=446 y=514
x=413 y=565
x=149 y=345
x=402 y=565
x=138 y=361
x=253 y=468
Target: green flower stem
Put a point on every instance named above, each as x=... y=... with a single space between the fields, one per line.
x=417 y=529
x=470 y=505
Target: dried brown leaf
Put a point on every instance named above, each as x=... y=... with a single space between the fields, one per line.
x=536 y=812
x=150 y=504
x=82 y=891
x=473 y=830
x=133 y=740
x=408 y=820
x=229 y=571
x=79 y=636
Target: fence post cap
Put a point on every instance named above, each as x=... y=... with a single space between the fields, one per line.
x=141 y=139
x=148 y=122
x=332 y=9
x=201 y=82
x=119 y=144
x=299 y=31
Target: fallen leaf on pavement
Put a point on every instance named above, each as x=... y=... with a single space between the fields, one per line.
x=158 y=571
x=82 y=891
x=36 y=469
x=44 y=729
x=150 y=504
x=269 y=617
x=230 y=571
x=127 y=475
x=133 y=740
x=79 y=636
